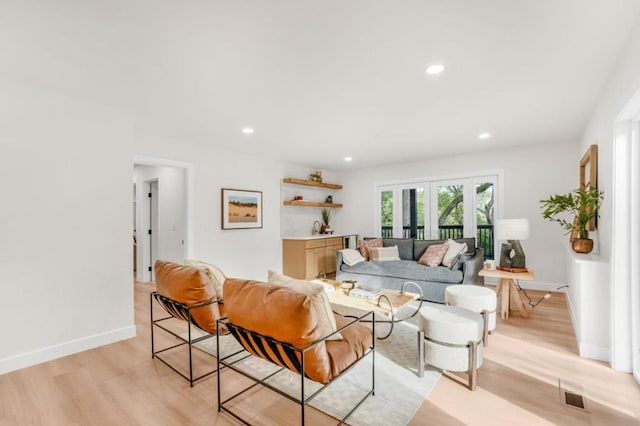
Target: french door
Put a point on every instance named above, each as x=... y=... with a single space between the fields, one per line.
x=440 y=209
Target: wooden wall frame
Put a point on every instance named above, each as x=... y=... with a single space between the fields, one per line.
x=589 y=174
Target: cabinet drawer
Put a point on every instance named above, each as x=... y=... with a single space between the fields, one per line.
x=335 y=241
x=315 y=243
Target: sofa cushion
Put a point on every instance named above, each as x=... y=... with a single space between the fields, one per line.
x=454 y=250
x=281 y=313
x=215 y=274
x=188 y=285
x=319 y=301
x=419 y=246
x=457 y=265
x=383 y=254
x=405 y=246
x=342 y=353
x=434 y=254
x=365 y=244
x=405 y=269
x=351 y=256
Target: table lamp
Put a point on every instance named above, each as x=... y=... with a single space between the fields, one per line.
x=512 y=231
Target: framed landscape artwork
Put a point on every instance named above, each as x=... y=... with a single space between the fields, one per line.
x=241 y=209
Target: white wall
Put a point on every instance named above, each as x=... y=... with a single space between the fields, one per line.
x=65 y=241
x=171 y=214
x=531 y=173
x=298 y=221
x=244 y=253
x=623 y=82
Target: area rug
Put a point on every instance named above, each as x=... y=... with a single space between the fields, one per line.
x=399 y=391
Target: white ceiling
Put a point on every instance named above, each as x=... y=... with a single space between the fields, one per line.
x=319 y=80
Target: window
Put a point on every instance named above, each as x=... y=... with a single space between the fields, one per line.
x=440 y=209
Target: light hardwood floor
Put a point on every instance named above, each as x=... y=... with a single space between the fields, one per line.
x=119 y=384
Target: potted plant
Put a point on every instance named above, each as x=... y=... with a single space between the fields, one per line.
x=583 y=204
x=326 y=218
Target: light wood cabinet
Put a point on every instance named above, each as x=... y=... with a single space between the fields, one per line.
x=307 y=259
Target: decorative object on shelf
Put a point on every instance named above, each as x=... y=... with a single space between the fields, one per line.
x=241 y=209
x=512 y=255
x=329 y=199
x=584 y=204
x=316 y=176
x=326 y=219
x=297 y=198
x=307 y=182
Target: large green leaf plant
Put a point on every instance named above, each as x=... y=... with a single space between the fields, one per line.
x=574 y=210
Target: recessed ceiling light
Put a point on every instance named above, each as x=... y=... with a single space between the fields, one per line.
x=348 y=159
x=435 y=69
x=484 y=135
x=247 y=130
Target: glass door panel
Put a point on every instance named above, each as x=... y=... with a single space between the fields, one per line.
x=448 y=217
x=485 y=216
x=413 y=212
x=386 y=213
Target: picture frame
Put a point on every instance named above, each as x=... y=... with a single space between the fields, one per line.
x=241 y=209
x=589 y=175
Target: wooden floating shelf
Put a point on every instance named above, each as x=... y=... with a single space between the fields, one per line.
x=312 y=183
x=302 y=203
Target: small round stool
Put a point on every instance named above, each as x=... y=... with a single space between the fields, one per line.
x=477 y=299
x=450 y=338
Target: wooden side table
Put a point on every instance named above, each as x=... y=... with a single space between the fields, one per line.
x=507 y=289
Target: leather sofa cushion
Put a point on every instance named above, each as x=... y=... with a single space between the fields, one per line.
x=282 y=314
x=188 y=285
x=217 y=276
x=356 y=340
x=319 y=301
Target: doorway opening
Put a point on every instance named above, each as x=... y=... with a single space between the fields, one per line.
x=625 y=306
x=162 y=213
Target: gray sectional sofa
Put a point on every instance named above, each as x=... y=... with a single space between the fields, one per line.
x=433 y=280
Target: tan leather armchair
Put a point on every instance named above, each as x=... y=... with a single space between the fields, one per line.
x=186 y=293
x=278 y=324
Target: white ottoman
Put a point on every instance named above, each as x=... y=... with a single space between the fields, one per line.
x=477 y=299
x=450 y=338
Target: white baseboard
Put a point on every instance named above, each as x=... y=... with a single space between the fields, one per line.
x=637 y=376
x=594 y=352
x=28 y=359
x=585 y=350
x=576 y=330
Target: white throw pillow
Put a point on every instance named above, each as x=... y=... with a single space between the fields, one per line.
x=319 y=301
x=216 y=275
x=351 y=256
x=384 y=254
x=454 y=250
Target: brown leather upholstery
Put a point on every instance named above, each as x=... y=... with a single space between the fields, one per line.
x=283 y=314
x=354 y=344
x=189 y=285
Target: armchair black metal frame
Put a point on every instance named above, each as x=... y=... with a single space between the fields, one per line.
x=182 y=312
x=293 y=353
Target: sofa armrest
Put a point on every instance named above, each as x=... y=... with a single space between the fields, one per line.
x=471 y=267
x=338 y=260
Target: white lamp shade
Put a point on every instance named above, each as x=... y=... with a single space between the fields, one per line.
x=512 y=229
